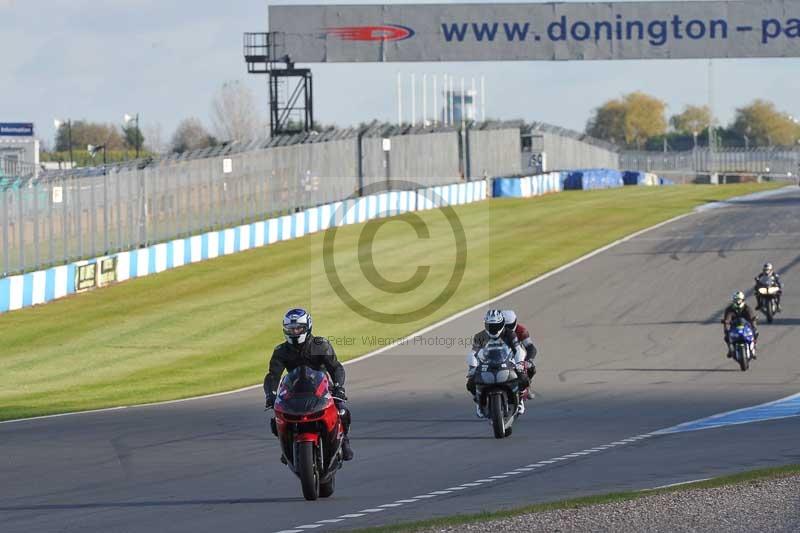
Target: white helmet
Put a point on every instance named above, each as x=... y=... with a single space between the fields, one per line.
x=494 y=323
x=738 y=299
x=511 y=319
x=768 y=270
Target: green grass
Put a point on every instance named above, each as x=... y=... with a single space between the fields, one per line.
x=745 y=477
x=211 y=326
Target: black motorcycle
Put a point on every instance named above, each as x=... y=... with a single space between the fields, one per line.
x=497 y=386
x=767 y=297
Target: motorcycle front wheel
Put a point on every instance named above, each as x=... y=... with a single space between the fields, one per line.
x=496 y=411
x=741 y=356
x=307 y=469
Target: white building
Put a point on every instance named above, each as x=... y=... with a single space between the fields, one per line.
x=19 y=148
x=459 y=104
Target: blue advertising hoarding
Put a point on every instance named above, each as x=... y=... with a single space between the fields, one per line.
x=16 y=129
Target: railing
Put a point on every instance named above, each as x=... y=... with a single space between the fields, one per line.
x=61 y=216
x=773 y=162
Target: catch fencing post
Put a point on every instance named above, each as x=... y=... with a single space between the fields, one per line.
x=49 y=223
x=6 y=245
x=105 y=211
x=21 y=225
x=93 y=215
x=36 y=262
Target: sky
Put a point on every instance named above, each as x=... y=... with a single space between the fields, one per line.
x=165 y=59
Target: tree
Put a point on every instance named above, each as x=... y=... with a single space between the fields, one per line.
x=762 y=124
x=608 y=122
x=693 y=120
x=644 y=118
x=133 y=137
x=85 y=133
x=234 y=114
x=191 y=135
x=632 y=120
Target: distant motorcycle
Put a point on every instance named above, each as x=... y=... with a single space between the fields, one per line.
x=768 y=293
x=742 y=339
x=497 y=387
x=309 y=426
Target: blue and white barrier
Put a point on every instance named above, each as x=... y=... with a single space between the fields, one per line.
x=588 y=179
x=40 y=287
x=591 y=179
x=635 y=177
x=527 y=186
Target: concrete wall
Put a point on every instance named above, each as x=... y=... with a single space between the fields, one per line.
x=565 y=152
x=428 y=158
x=494 y=152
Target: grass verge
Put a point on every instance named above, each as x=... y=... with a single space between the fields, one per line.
x=589 y=501
x=210 y=327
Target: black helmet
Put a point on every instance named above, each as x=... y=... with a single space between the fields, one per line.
x=494 y=323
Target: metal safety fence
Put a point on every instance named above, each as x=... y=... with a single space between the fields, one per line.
x=56 y=217
x=54 y=221
x=773 y=162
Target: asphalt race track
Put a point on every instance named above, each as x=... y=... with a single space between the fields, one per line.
x=630 y=343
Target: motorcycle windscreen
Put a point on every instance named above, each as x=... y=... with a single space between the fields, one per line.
x=303 y=391
x=496 y=355
x=765 y=281
x=741 y=331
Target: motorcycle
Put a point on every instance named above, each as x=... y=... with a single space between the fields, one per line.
x=309 y=425
x=497 y=387
x=743 y=341
x=768 y=293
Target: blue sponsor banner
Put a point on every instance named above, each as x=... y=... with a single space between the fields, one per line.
x=16 y=129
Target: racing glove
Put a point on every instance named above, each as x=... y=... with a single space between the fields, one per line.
x=270 y=403
x=338 y=392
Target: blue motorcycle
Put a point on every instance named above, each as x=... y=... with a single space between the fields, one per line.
x=742 y=339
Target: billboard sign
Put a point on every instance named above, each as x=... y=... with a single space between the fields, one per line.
x=547 y=32
x=16 y=129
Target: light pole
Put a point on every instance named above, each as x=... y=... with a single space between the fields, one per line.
x=58 y=123
x=134 y=118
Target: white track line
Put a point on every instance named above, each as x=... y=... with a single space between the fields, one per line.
x=678 y=484
x=483 y=482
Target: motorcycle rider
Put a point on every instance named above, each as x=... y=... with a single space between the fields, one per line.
x=768 y=277
x=736 y=310
x=303 y=348
x=494 y=329
x=526 y=341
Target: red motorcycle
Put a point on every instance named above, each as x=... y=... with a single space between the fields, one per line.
x=309 y=425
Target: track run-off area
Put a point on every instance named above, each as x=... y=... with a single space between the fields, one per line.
x=630 y=350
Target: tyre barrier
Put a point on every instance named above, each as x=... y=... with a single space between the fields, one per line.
x=587 y=179
x=528 y=186
x=35 y=288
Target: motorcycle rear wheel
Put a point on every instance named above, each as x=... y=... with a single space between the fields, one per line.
x=326 y=489
x=496 y=412
x=307 y=470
